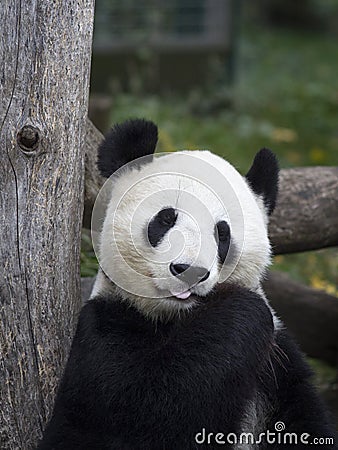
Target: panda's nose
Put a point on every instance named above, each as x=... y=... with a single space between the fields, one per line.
x=189 y=274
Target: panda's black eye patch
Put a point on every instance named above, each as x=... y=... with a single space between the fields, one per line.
x=222 y=235
x=167 y=217
x=223 y=230
x=160 y=225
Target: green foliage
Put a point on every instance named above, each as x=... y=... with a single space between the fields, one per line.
x=89 y=264
x=324 y=376
x=286 y=98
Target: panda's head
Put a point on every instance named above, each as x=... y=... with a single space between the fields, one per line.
x=176 y=225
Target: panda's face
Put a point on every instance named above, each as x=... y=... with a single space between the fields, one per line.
x=179 y=232
x=195 y=250
x=176 y=227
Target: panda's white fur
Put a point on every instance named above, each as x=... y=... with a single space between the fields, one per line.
x=126 y=256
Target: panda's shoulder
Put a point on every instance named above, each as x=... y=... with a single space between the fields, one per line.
x=240 y=300
x=288 y=359
x=104 y=315
x=96 y=309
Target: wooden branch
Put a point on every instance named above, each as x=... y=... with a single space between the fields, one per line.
x=45 y=52
x=310 y=314
x=306 y=216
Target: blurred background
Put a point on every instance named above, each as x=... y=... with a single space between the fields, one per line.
x=232 y=77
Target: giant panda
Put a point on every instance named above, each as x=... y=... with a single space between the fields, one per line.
x=178 y=347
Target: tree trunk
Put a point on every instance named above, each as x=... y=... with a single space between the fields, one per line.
x=45 y=51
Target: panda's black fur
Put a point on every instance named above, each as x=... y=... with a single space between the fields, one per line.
x=134 y=384
x=127 y=141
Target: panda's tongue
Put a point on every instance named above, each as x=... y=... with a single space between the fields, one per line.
x=182 y=295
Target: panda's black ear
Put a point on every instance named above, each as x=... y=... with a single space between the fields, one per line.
x=263 y=177
x=124 y=143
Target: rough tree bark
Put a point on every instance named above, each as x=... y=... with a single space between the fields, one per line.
x=306 y=216
x=45 y=52
x=93 y=180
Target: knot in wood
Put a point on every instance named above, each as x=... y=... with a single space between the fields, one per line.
x=28 y=138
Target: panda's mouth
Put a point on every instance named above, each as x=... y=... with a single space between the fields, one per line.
x=181 y=295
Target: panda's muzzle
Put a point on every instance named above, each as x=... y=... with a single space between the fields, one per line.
x=189 y=274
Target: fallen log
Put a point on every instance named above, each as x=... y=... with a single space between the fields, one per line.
x=310 y=314
x=306 y=215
